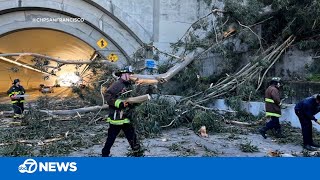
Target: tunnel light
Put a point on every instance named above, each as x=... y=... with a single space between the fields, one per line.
x=68 y=79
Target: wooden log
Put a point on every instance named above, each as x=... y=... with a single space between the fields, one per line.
x=75 y=111
x=138 y=99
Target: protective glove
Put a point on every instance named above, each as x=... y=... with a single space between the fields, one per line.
x=318 y=121
x=125 y=104
x=14 y=97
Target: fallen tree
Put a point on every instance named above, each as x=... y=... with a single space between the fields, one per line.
x=238 y=22
x=248 y=72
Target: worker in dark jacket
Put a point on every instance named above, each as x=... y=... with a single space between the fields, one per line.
x=17 y=102
x=305 y=110
x=119 y=117
x=273 y=108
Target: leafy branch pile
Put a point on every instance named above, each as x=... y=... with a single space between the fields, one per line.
x=43 y=135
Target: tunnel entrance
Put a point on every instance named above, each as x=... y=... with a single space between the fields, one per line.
x=47 y=42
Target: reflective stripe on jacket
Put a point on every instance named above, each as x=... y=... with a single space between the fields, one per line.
x=14 y=90
x=118 y=121
x=272 y=101
x=118 y=114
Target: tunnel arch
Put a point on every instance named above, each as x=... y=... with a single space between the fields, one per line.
x=89 y=9
x=58 y=44
x=81 y=30
x=97 y=20
x=124 y=35
x=91 y=41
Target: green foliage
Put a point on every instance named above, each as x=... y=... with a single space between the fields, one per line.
x=185 y=83
x=232 y=60
x=214 y=123
x=38 y=127
x=196 y=42
x=246 y=11
x=163 y=68
x=92 y=92
x=314 y=70
x=293 y=17
x=314 y=77
x=291 y=135
x=244 y=116
x=287 y=91
x=234 y=103
x=43 y=102
x=5 y=107
x=16 y=149
x=248 y=147
x=248 y=38
x=290 y=17
x=202 y=24
x=308 y=44
x=150 y=116
x=245 y=92
x=177 y=147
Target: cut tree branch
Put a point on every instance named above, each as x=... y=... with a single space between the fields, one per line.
x=54 y=59
x=161 y=78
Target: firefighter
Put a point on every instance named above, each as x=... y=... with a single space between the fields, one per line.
x=273 y=108
x=119 y=115
x=305 y=110
x=17 y=102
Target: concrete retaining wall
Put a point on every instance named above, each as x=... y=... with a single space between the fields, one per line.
x=256 y=108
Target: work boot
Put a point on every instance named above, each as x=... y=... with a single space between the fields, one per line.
x=103 y=155
x=315 y=145
x=310 y=148
x=138 y=151
x=263 y=132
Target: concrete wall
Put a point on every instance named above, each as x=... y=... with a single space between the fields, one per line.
x=158 y=21
x=138 y=11
x=293 y=64
x=256 y=108
x=212 y=65
x=163 y=21
x=176 y=16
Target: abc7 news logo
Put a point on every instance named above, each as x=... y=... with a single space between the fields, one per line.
x=29 y=166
